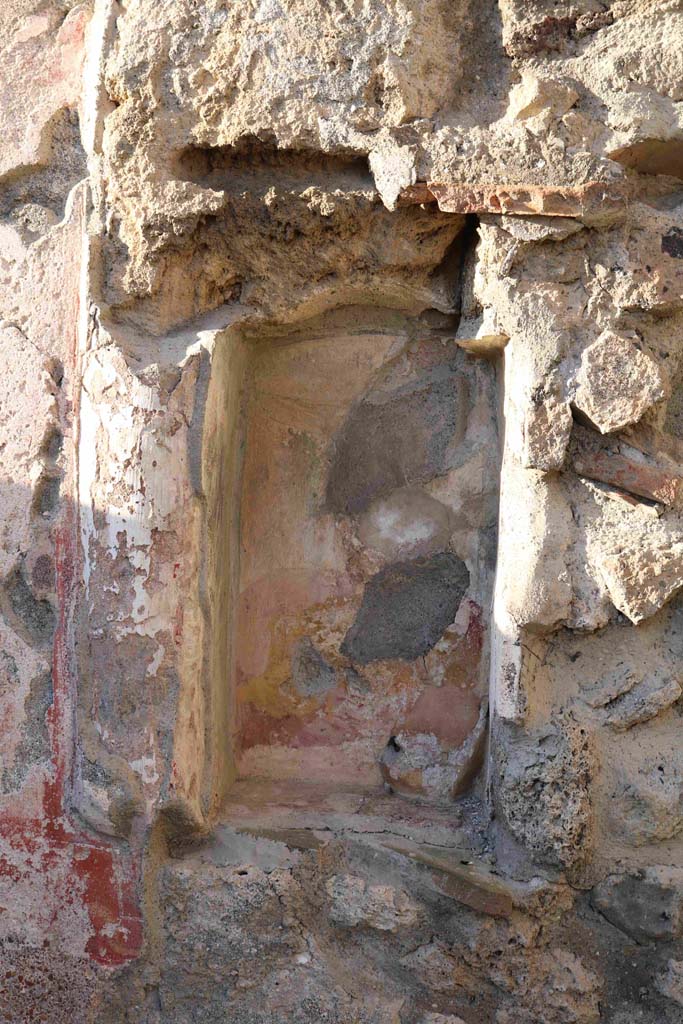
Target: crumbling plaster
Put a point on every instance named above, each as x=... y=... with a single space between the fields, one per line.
x=498 y=181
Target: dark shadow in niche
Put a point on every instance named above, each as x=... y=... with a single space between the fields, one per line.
x=255 y=165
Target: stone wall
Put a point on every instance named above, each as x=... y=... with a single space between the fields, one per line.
x=342 y=535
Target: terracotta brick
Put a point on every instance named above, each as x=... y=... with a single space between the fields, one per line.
x=550 y=201
x=610 y=464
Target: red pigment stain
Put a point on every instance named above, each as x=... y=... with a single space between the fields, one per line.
x=257 y=728
x=474 y=637
x=111 y=906
x=70 y=865
x=178 y=626
x=447 y=712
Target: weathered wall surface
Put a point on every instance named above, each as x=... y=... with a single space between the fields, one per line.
x=342 y=493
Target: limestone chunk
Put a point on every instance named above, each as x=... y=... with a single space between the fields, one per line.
x=617 y=382
x=393 y=168
x=642 y=577
x=540 y=97
x=633 y=551
x=544 y=792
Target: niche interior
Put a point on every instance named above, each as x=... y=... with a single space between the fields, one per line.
x=355 y=464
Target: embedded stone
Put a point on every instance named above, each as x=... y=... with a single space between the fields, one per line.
x=406 y=524
x=393 y=168
x=539 y=229
x=547 y=428
x=432 y=765
x=311 y=674
x=670 y=982
x=672 y=243
x=440 y=1018
x=643 y=575
x=647 y=905
x=643 y=702
x=354 y=903
x=544 y=792
x=434 y=965
x=617 y=382
x=623 y=467
x=392 y=440
x=36 y=617
x=647 y=806
x=406 y=608
x=611 y=686
x=535 y=96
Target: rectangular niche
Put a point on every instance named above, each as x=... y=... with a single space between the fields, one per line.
x=367 y=485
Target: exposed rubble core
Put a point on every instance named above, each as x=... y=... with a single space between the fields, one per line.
x=341 y=562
